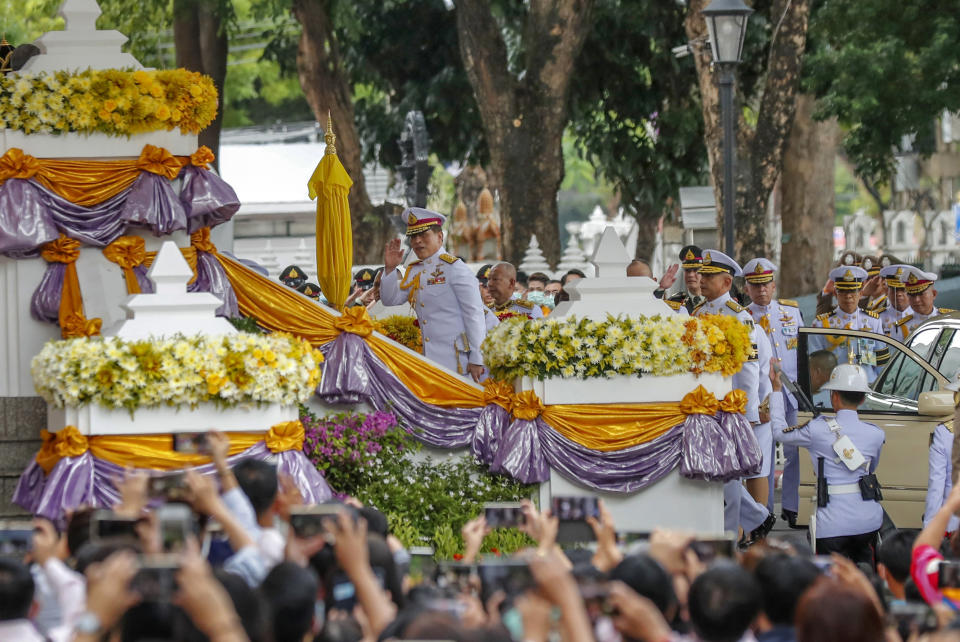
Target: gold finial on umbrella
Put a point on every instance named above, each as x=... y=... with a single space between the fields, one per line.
x=329 y=137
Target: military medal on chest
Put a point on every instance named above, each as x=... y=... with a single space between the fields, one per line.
x=437 y=277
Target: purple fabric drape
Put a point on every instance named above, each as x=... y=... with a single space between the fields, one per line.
x=213 y=279
x=25 y=222
x=45 y=302
x=707 y=450
x=88 y=480
x=488 y=434
x=352 y=372
x=520 y=453
x=744 y=440
x=207 y=199
x=152 y=203
x=146 y=285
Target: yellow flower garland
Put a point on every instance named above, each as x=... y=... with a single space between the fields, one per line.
x=226 y=370
x=580 y=348
x=402 y=329
x=110 y=101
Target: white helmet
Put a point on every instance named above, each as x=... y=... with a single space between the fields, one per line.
x=847 y=378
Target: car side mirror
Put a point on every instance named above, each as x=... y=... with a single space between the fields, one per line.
x=936 y=403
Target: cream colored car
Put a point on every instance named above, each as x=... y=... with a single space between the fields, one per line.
x=907 y=402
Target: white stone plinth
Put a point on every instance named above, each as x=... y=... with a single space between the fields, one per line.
x=97 y=420
x=622 y=389
x=673 y=502
x=96 y=146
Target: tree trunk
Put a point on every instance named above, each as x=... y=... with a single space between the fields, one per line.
x=326 y=87
x=200 y=39
x=648 y=221
x=807 y=211
x=524 y=115
x=759 y=149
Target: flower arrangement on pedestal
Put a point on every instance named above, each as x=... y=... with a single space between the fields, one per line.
x=569 y=347
x=109 y=101
x=402 y=329
x=225 y=370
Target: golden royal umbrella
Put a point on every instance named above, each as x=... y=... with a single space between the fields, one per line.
x=330 y=185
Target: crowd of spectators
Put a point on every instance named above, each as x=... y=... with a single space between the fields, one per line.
x=236 y=556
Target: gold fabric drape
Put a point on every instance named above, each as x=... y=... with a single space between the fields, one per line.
x=330 y=185
x=73 y=321
x=89 y=183
x=128 y=252
x=155 y=451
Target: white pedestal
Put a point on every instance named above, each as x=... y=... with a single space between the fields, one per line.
x=97 y=420
x=96 y=146
x=622 y=389
x=673 y=502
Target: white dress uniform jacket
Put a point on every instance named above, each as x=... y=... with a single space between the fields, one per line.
x=443 y=292
x=863 y=351
x=912 y=321
x=889 y=319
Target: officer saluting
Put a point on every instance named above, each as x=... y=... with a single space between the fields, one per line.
x=845 y=452
x=848 y=281
x=691 y=258
x=921 y=294
x=781 y=320
x=716 y=277
x=443 y=292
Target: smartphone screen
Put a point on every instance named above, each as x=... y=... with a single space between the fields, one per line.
x=190 y=443
x=106 y=523
x=709 y=549
x=308 y=521
x=176 y=523
x=569 y=508
x=170 y=488
x=503 y=514
x=16 y=539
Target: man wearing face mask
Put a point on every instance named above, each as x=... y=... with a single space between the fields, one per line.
x=443 y=292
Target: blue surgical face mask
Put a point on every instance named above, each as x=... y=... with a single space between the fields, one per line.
x=540 y=298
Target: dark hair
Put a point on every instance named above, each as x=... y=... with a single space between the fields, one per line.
x=522 y=278
x=376 y=521
x=573 y=272
x=97 y=551
x=783 y=579
x=291 y=592
x=434 y=625
x=78 y=529
x=555 y=281
x=538 y=276
x=895 y=552
x=16 y=590
x=151 y=621
x=645 y=576
x=258 y=480
x=852 y=398
x=831 y=612
x=344 y=630
x=723 y=602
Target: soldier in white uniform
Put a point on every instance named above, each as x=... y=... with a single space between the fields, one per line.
x=898 y=303
x=717 y=272
x=781 y=320
x=921 y=294
x=502 y=283
x=845 y=452
x=443 y=292
x=848 y=281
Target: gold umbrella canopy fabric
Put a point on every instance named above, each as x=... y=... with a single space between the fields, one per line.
x=330 y=185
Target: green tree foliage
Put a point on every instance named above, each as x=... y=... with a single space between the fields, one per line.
x=634 y=106
x=24 y=21
x=886 y=69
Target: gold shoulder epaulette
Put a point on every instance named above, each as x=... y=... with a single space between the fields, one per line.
x=449 y=258
x=948 y=424
x=733 y=305
x=945 y=310
x=788 y=302
x=824 y=316
x=903 y=320
x=697 y=307
x=523 y=303
x=675 y=305
x=871 y=313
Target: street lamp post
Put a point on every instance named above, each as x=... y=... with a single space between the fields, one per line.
x=727 y=26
